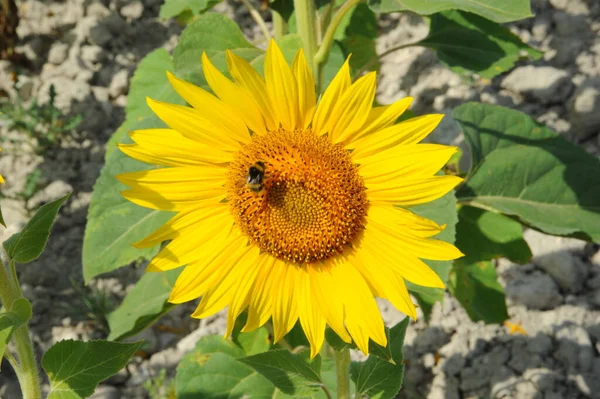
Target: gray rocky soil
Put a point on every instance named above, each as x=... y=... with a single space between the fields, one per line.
x=88 y=49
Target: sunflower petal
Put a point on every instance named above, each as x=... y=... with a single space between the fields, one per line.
x=322 y=121
x=282 y=88
x=285 y=309
x=311 y=319
x=306 y=89
x=404 y=192
x=382 y=117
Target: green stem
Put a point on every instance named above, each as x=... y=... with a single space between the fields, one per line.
x=342 y=371
x=375 y=60
x=280 y=27
x=323 y=53
x=306 y=19
x=258 y=19
x=27 y=372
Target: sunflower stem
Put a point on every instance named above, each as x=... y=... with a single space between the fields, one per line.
x=306 y=19
x=27 y=369
x=258 y=19
x=323 y=53
x=280 y=26
x=342 y=371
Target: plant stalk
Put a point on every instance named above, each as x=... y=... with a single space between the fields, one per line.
x=279 y=25
x=27 y=372
x=306 y=18
x=258 y=19
x=323 y=54
x=342 y=371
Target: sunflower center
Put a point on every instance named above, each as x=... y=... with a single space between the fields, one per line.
x=296 y=195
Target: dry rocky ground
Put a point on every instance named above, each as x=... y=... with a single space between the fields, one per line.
x=88 y=51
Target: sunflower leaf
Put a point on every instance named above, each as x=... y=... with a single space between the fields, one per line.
x=469 y=43
x=253 y=342
x=213 y=369
x=28 y=245
x=523 y=169
x=498 y=11
x=288 y=372
x=75 y=368
x=378 y=378
x=143 y=305
x=173 y=8
x=483 y=235
x=476 y=287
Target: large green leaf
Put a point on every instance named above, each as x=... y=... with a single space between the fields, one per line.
x=287 y=371
x=476 y=287
x=522 y=168
x=483 y=235
x=469 y=43
x=18 y=313
x=114 y=223
x=498 y=11
x=441 y=211
x=172 y=8
x=28 y=245
x=143 y=305
x=357 y=36
x=212 y=370
x=75 y=368
x=378 y=378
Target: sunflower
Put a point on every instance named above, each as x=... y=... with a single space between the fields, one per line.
x=289 y=209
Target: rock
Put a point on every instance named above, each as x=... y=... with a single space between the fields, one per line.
x=473 y=378
x=119 y=83
x=535 y=291
x=542 y=244
x=569 y=25
x=525 y=390
x=544 y=84
x=67 y=92
x=165 y=359
x=133 y=10
x=584 y=108
x=575 y=349
x=58 y=53
x=540 y=344
x=568 y=271
x=92 y=54
x=502 y=382
x=25 y=87
x=100 y=35
x=53 y=191
x=443 y=387
x=594 y=298
x=98 y=10
x=543 y=379
x=455 y=353
x=106 y=392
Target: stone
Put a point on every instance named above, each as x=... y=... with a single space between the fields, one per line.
x=525 y=390
x=568 y=271
x=106 y=392
x=584 y=108
x=92 y=54
x=132 y=11
x=119 y=83
x=541 y=83
x=569 y=25
x=67 y=92
x=443 y=387
x=98 y=10
x=100 y=35
x=535 y=291
x=539 y=344
x=58 y=53
x=543 y=379
x=165 y=359
x=575 y=349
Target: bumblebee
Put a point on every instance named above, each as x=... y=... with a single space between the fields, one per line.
x=256 y=176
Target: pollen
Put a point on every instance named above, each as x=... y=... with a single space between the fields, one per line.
x=311 y=202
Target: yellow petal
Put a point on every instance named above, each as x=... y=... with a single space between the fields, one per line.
x=410 y=131
x=246 y=76
x=285 y=309
x=282 y=88
x=260 y=306
x=384 y=116
x=404 y=219
x=352 y=110
x=404 y=192
x=412 y=161
x=191 y=124
x=222 y=115
x=322 y=121
x=311 y=319
x=233 y=95
x=306 y=89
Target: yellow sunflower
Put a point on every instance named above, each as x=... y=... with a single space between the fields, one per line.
x=291 y=209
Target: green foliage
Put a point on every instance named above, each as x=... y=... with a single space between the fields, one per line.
x=44 y=123
x=28 y=245
x=522 y=168
x=442 y=211
x=143 y=305
x=498 y=11
x=173 y=8
x=18 y=314
x=159 y=387
x=253 y=342
x=476 y=287
x=470 y=43
x=357 y=35
x=75 y=368
x=483 y=235
x=379 y=378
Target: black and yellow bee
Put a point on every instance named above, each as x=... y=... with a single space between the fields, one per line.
x=256 y=177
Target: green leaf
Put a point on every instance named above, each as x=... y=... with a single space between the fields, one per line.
x=357 y=35
x=483 y=235
x=254 y=342
x=378 y=378
x=143 y=305
x=115 y=223
x=211 y=33
x=441 y=211
x=18 y=315
x=212 y=370
x=477 y=288
x=172 y=8
x=2 y=222
x=75 y=368
x=29 y=244
x=288 y=372
x=285 y=8
x=498 y=11
x=524 y=169
x=469 y=43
